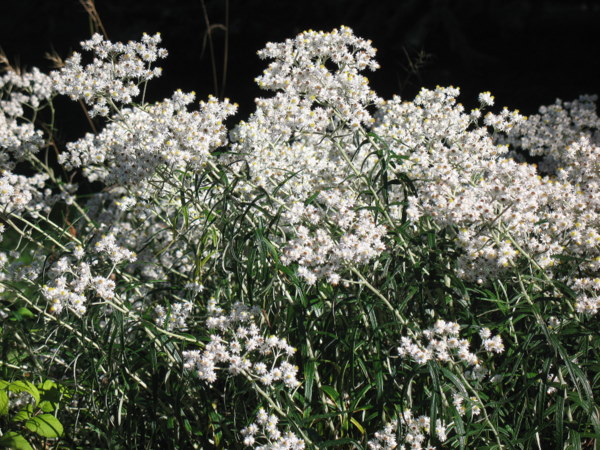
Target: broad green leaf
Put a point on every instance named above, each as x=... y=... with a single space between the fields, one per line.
x=48 y=385
x=15 y=441
x=50 y=395
x=45 y=425
x=46 y=406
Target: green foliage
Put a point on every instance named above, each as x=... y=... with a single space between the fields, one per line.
x=30 y=421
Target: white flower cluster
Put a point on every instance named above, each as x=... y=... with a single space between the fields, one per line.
x=566 y=136
x=492 y=344
x=19 y=193
x=59 y=296
x=308 y=159
x=265 y=429
x=418 y=430
x=385 y=439
x=286 y=151
x=300 y=68
x=240 y=346
x=550 y=133
x=108 y=245
x=486 y=99
x=31 y=89
x=70 y=279
x=464 y=181
x=283 y=150
x=283 y=142
x=175 y=317
x=458 y=400
x=316 y=251
x=113 y=76
x=17 y=138
x=445 y=345
x=588 y=304
x=140 y=140
x=20 y=92
x=160 y=251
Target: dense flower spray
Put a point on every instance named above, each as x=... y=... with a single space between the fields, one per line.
x=245 y=260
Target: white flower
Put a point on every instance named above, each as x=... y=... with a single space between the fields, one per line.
x=486 y=99
x=113 y=75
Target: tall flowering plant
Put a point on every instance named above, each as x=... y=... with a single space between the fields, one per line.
x=334 y=270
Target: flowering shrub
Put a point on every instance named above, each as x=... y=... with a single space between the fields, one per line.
x=321 y=274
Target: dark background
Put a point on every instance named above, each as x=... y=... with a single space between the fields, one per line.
x=526 y=52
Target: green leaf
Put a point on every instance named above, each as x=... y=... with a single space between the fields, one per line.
x=23 y=414
x=331 y=393
x=309 y=378
x=48 y=385
x=357 y=425
x=560 y=409
x=50 y=394
x=3 y=403
x=187 y=425
x=311 y=198
x=24 y=313
x=45 y=425
x=46 y=406
x=15 y=441
x=574 y=439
